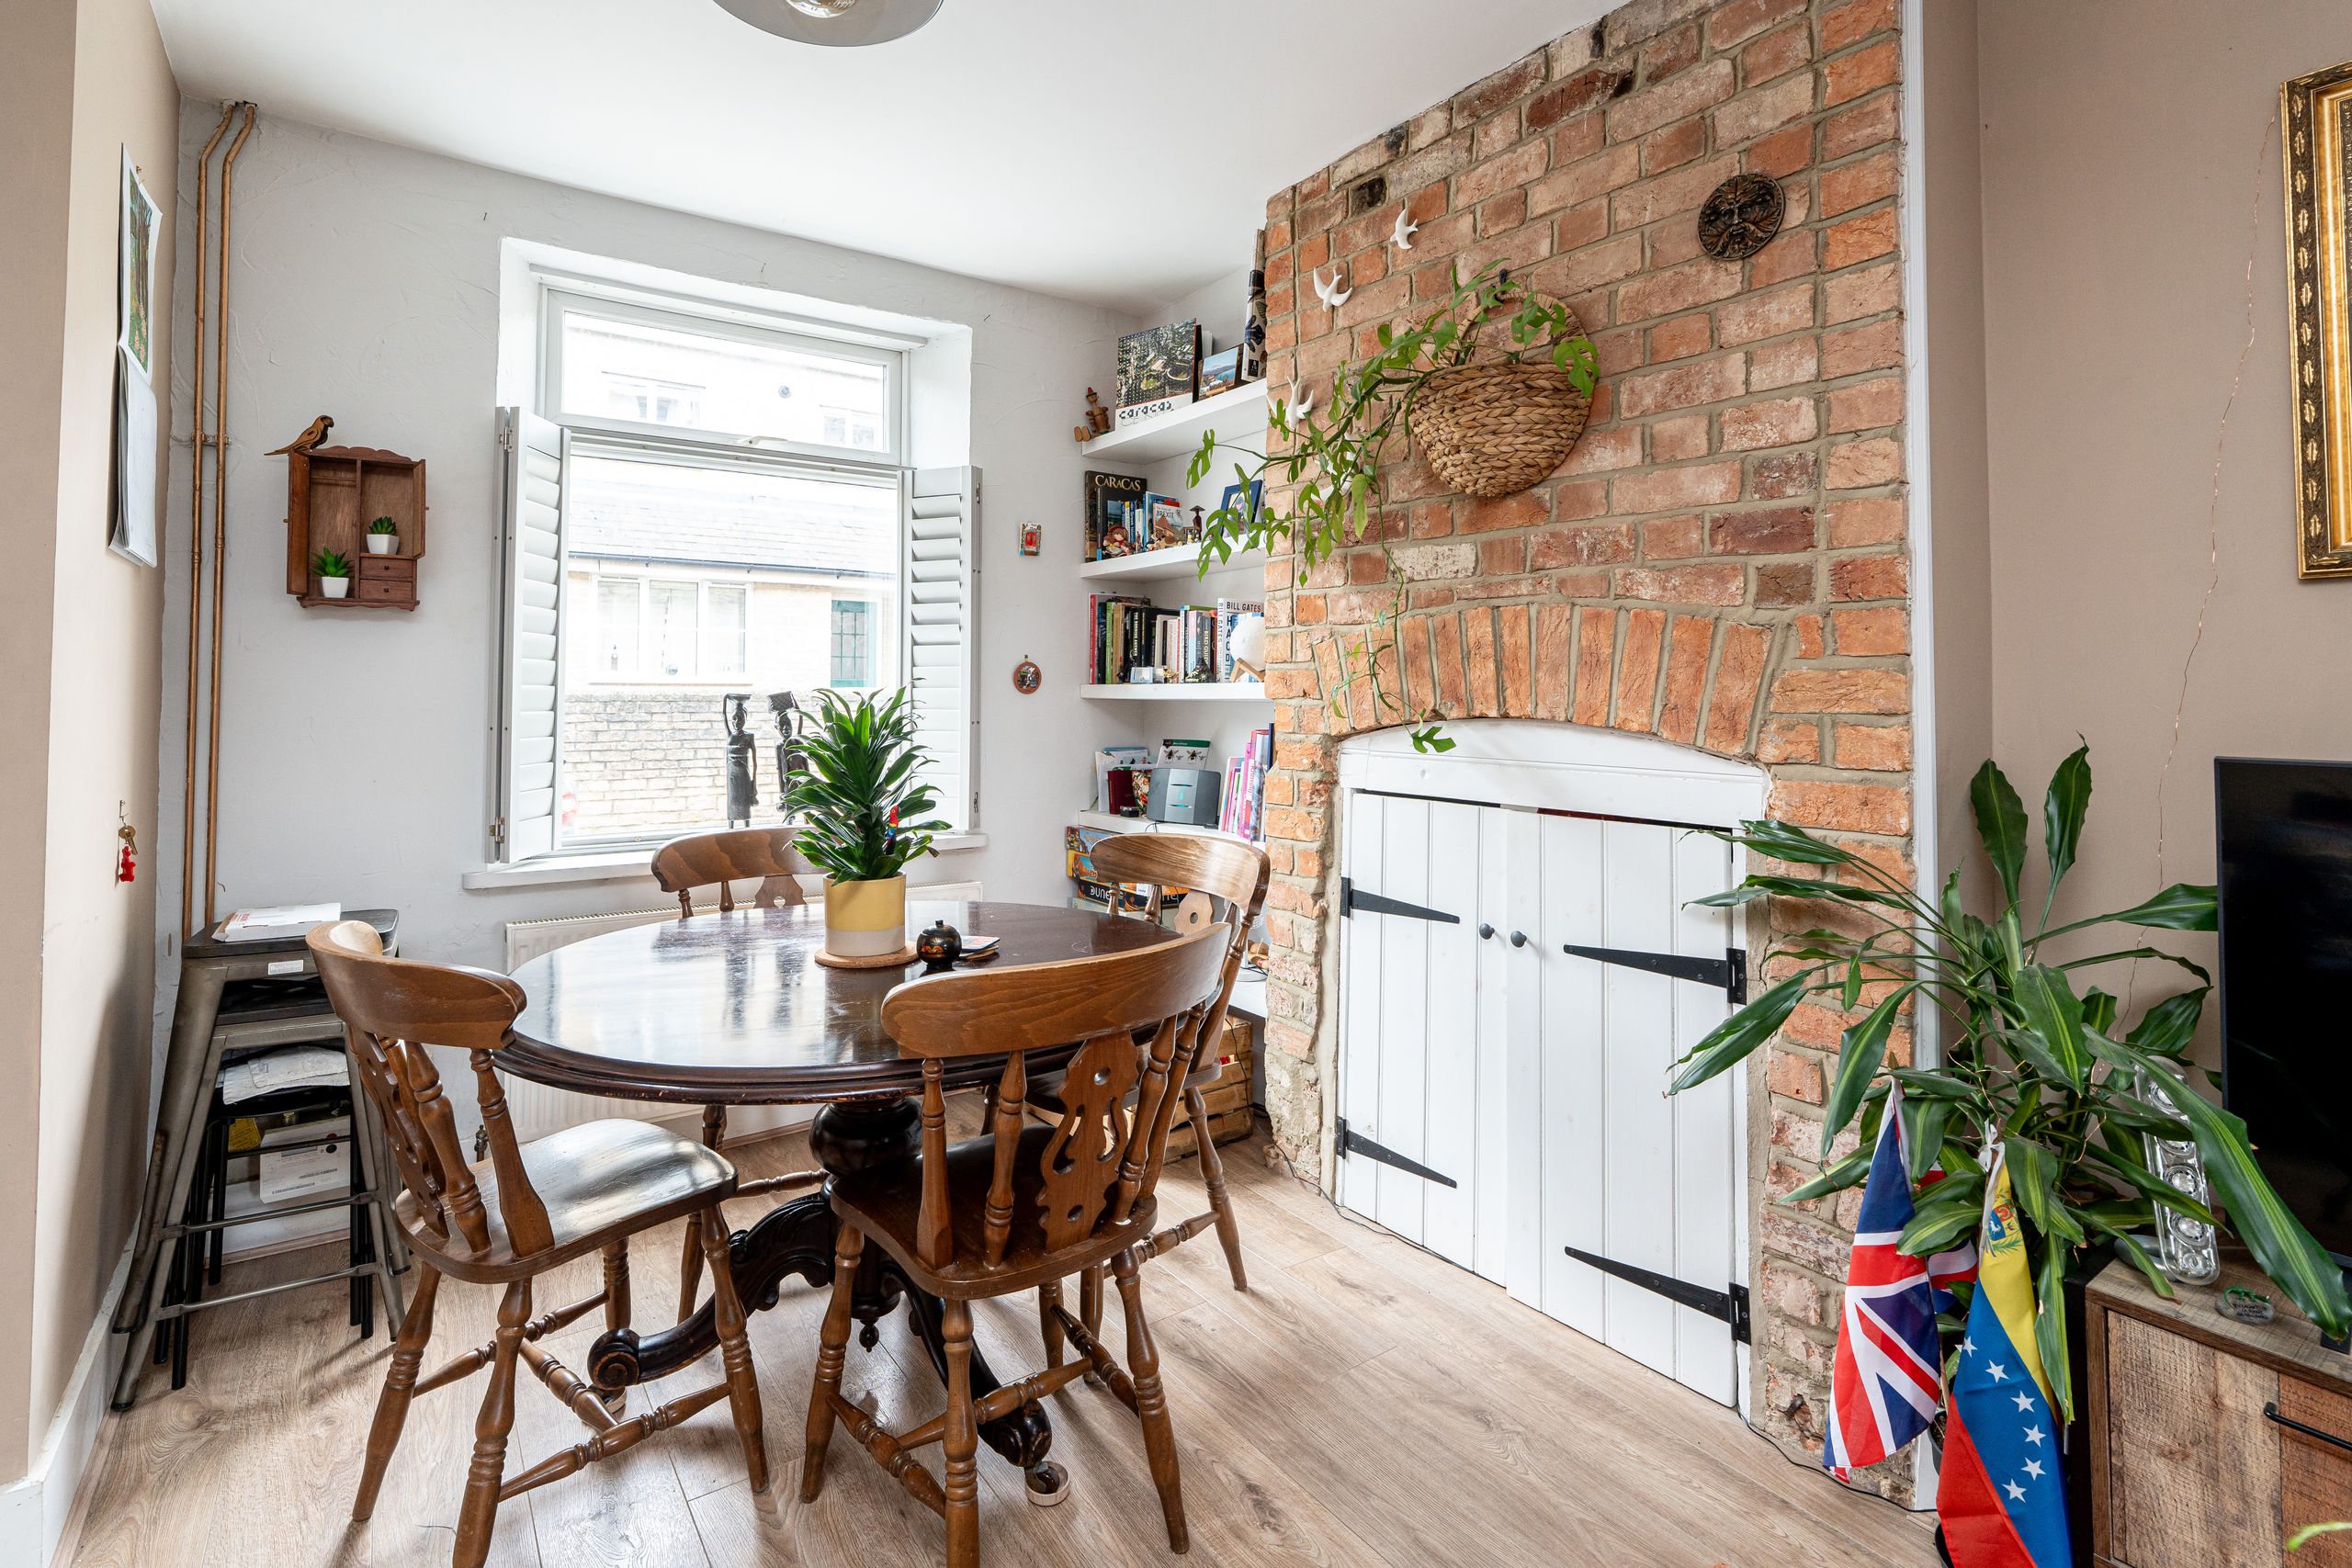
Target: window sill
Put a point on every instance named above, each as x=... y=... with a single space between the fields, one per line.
x=624 y=865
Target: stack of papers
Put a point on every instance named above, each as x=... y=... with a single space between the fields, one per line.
x=278 y=921
x=299 y=1066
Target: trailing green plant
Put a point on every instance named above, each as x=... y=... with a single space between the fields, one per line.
x=2029 y=1061
x=331 y=563
x=858 y=799
x=1331 y=459
x=383 y=526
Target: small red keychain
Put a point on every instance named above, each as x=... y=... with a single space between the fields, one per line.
x=126 y=868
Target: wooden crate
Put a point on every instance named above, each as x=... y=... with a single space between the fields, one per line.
x=1227 y=1099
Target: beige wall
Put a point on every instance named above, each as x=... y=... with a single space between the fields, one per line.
x=99 y=946
x=36 y=83
x=2130 y=163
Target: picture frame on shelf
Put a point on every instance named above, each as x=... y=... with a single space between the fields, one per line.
x=1246 y=504
x=1221 y=371
x=1159 y=371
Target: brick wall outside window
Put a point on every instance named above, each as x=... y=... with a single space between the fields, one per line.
x=1721 y=562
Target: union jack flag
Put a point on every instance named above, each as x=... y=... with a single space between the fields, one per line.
x=1886 y=1382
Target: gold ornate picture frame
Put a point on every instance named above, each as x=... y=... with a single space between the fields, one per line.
x=2315 y=128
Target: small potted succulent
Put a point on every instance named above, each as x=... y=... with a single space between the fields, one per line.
x=335 y=573
x=383 y=537
x=862 y=810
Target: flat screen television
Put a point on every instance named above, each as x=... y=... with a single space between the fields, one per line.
x=2285 y=843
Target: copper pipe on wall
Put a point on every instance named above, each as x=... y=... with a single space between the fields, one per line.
x=219 y=523
x=197 y=441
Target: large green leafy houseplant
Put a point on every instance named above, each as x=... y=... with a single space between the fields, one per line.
x=2029 y=1061
x=1332 y=457
x=858 y=800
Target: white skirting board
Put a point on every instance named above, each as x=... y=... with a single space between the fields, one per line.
x=34 y=1507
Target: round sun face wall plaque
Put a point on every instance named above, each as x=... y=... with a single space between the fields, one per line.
x=1741 y=216
x=1026 y=677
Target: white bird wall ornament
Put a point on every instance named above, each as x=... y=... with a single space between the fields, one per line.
x=1302 y=401
x=1331 y=294
x=1406 y=229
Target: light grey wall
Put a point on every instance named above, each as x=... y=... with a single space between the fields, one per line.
x=2130 y=179
x=357 y=747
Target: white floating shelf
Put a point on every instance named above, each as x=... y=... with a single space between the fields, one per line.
x=1182 y=691
x=1172 y=435
x=1176 y=563
x=1110 y=823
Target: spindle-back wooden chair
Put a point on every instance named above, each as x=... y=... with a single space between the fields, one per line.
x=1025 y=1205
x=1226 y=884
x=703 y=860
x=524 y=1209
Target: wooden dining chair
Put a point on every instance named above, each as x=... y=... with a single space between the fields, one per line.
x=524 y=1209
x=1025 y=1205
x=703 y=860
x=1227 y=883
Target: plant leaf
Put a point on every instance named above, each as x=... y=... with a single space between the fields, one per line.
x=1860 y=1050
x=1737 y=1036
x=2050 y=1327
x=2183 y=906
x=2000 y=823
x=2281 y=1246
x=2035 y=1172
x=1845 y=1173
x=2055 y=1019
x=2165 y=1029
x=2062 y=810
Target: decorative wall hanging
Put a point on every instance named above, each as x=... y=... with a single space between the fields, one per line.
x=335 y=496
x=132 y=528
x=1026 y=677
x=1332 y=294
x=1029 y=538
x=1740 y=217
x=1406 y=228
x=2315 y=123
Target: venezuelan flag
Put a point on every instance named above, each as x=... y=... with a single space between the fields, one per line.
x=2002 y=1490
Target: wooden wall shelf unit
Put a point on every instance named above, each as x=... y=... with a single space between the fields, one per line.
x=2213 y=1441
x=332 y=494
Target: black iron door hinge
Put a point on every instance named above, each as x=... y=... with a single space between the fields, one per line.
x=1355 y=1143
x=1729 y=1304
x=1350 y=900
x=1729 y=972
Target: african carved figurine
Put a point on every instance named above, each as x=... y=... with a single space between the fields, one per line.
x=742 y=761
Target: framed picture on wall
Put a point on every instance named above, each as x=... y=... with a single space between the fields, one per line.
x=131 y=499
x=2316 y=122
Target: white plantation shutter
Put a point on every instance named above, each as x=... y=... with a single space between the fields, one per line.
x=531 y=667
x=942 y=629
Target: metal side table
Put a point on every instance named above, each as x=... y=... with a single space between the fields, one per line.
x=203 y=1029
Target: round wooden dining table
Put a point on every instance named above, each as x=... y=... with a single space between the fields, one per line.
x=733 y=1009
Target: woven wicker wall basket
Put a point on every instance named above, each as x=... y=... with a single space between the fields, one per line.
x=1496 y=429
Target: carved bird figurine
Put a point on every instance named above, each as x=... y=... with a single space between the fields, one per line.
x=311 y=435
x=1301 y=401
x=1406 y=228
x=1331 y=294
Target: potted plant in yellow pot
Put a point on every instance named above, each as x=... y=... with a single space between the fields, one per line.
x=863 y=813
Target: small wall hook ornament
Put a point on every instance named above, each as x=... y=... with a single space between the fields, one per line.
x=1406 y=228
x=1301 y=401
x=1332 y=294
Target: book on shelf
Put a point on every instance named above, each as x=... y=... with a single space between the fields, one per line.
x=1228 y=613
x=1242 y=811
x=1110 y=501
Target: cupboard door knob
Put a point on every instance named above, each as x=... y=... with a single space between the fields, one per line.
x=1519 y=939
x=1485 y=931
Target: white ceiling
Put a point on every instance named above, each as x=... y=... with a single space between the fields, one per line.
x=1118 y=151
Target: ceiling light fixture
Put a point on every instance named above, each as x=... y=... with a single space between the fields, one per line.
x=842 y=23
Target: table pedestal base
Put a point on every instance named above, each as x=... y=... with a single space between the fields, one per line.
x=796 y=1238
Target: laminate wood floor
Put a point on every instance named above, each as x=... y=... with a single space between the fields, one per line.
x=1364 y=1402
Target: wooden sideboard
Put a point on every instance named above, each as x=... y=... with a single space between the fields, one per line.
x=2212 y=1440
